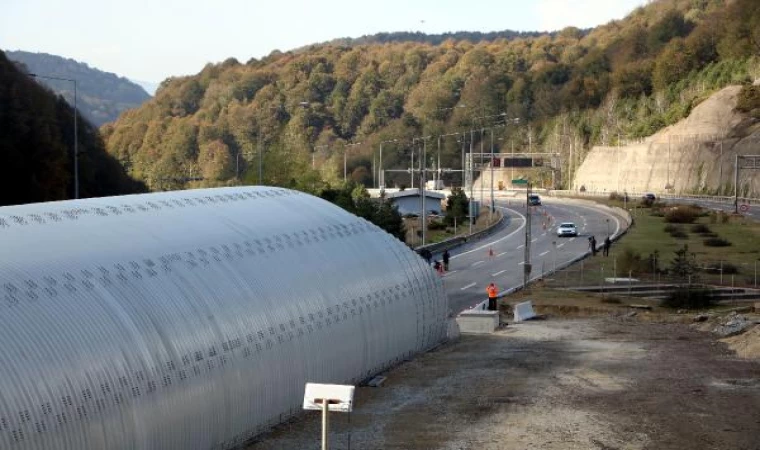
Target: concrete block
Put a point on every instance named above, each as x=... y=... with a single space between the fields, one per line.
x=453 y=331
x=478 y=322
x=524 y=311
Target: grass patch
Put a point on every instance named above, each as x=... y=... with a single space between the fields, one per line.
x=648 y=235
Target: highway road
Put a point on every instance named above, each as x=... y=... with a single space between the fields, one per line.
x=499 y=257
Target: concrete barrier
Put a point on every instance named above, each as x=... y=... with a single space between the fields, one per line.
x=524 y=311
x=478 y=321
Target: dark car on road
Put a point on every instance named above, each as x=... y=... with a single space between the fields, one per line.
x=649 y=197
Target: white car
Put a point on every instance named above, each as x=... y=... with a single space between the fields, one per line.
x=567 y=229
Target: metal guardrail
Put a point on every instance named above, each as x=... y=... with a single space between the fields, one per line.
x=459 y=240
x=638 y=195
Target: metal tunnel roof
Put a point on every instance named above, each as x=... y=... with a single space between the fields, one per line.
x=193 y=319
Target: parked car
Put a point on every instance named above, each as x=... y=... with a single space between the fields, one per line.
x=567 y=229
x=534 y=200
x=649 y=197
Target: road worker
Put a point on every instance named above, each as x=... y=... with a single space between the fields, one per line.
x=493 y=293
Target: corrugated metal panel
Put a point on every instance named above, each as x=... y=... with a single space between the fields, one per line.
x=193 y=319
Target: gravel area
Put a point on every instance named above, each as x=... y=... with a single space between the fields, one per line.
x=599 y=383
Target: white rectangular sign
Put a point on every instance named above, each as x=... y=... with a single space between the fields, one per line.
x=339 y=396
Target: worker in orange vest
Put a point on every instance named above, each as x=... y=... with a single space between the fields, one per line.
x=493 y=292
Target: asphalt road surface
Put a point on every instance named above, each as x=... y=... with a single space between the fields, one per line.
x=499 y=258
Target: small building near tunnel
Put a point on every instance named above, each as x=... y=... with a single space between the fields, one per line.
x=409 y=201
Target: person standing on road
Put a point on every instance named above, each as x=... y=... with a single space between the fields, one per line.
x=607 y=244
x=446 y=258
x=493 y=293
x=427 y=255
x=592 y=245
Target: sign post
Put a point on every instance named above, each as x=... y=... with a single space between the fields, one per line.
x=326 y=398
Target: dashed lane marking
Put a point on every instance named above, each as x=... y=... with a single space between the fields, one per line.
x=468 y=286
x=501 y=254
x=477 y=263
x=498 y=273
x=544 y=253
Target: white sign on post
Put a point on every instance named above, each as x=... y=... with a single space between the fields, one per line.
x=340 y=397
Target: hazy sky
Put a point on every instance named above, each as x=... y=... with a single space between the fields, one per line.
x=150 y=40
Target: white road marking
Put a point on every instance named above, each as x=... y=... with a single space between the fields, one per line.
x=571 y=240
x=501 y=254
x=560 y=245
x=521 y=263
x=477 y=263
x=468 y=286
x=544 y=253
x=489 y=244
x=534 y=240
x=498 y=273
x=522 y=246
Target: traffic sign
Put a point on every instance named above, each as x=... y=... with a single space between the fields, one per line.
x=519 y=181
x=744 y=208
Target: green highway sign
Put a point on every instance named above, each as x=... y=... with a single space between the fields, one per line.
x=519 y=181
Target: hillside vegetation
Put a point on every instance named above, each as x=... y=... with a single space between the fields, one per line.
x=294 y=112
x=36 y=146
x=101 y=96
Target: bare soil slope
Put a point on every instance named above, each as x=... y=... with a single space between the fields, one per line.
x=600 y=383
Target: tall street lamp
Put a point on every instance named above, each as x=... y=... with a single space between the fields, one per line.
x=76 y=129
x=381 y=172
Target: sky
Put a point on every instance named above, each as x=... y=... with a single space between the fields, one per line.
x=150 y=40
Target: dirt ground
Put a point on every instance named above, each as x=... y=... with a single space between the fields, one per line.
x=608 y=382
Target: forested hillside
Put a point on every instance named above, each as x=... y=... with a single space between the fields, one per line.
x=570 y=90
x=101 y=96
x=36 y=146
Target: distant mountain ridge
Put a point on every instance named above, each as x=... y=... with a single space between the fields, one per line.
x=37 y=147
x=101 y=96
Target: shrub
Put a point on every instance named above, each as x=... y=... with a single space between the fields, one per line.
x=669 y=228
x=723 y=217
x=689 y=298
x=700 y=228
x=616 y=196
x=713 y=217
x=630 y=261
x=611 y=300
x=748 y=99
x=681 y=214
x=647 y=202
x=436 y=225
x=679 y=234
x=716 y=242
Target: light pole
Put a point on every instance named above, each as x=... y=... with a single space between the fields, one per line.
x=345 y=159
x=76 y=129
x=381 y=172
x=423 y=169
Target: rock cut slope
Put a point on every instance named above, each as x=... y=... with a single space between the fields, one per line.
x=696 y=155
